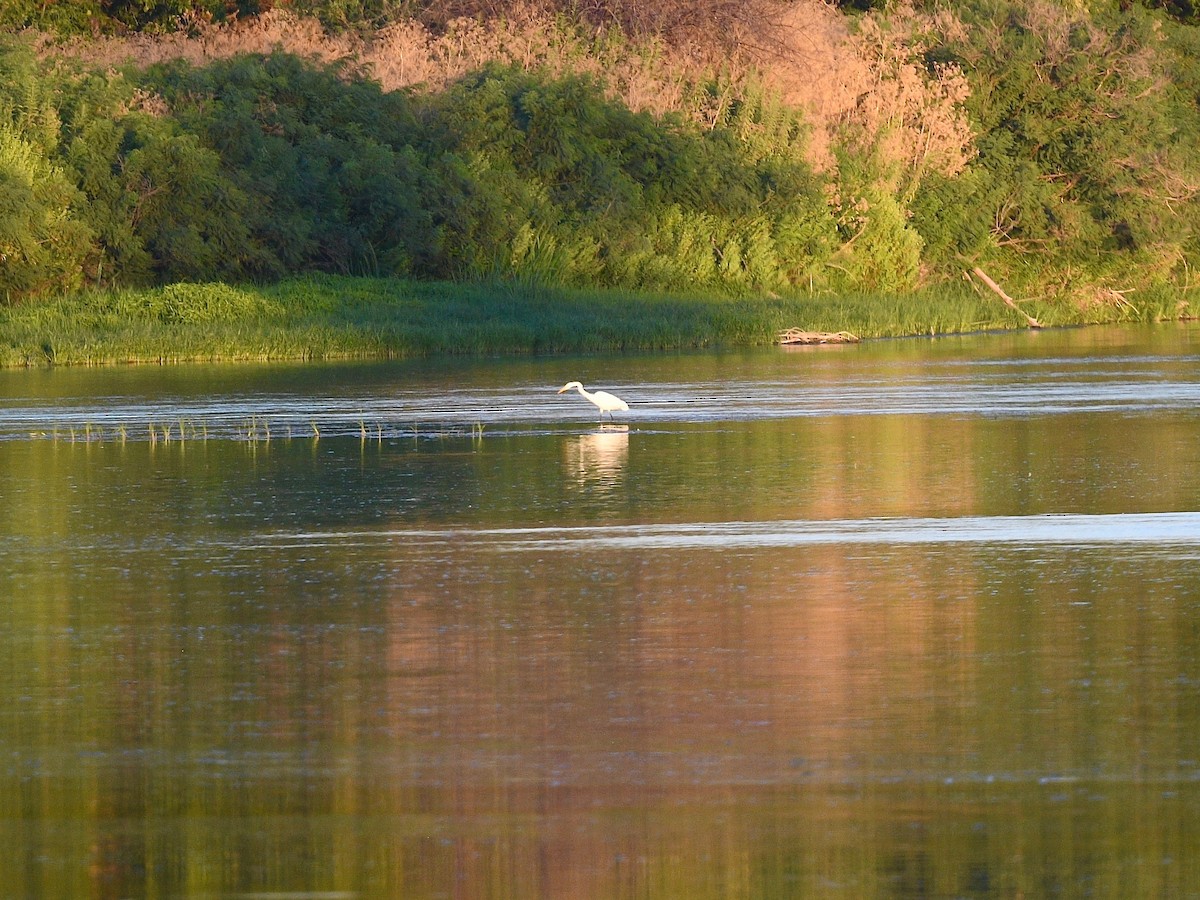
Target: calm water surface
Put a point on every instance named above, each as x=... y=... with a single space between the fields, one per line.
x=908 y=619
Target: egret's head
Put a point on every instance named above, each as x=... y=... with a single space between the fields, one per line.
x=570 y=385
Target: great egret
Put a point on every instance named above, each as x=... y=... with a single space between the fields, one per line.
x=605 y=401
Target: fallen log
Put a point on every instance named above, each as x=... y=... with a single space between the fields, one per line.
x=800 y=336
x=1008 y=301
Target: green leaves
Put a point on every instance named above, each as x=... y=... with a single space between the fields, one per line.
x=1080 y=157
x=42 y=246
x=572 y=187
x=256 y=167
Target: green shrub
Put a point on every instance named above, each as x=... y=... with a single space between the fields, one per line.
x=73 y=17
x=190 y=215
x=195 y=303
x=560 y=179
x=1082 y=148
x=328 y=162
x=880 y=250
x=43 y=248
x=95 y=154
x=85 y=17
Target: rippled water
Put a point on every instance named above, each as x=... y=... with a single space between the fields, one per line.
x=908 y=619
x=1079 y=372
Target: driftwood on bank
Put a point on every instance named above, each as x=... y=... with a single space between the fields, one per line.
x=1008 y=301
x=800 y=336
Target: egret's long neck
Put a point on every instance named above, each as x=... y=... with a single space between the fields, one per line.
x=583 y=392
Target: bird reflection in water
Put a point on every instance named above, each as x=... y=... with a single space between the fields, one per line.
x=598 y=457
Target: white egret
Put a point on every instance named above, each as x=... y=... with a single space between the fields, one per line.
x=604 y=401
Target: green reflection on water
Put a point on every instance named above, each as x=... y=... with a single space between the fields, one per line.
x=228 y=667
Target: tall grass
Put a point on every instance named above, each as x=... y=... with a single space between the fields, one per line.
x=332 y=317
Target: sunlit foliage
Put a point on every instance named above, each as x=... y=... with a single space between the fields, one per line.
x=1050 y=143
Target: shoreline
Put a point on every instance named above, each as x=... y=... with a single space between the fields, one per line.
x=344 y=318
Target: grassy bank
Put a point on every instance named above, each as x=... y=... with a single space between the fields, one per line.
x=330 y=317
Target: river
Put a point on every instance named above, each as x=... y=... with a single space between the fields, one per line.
x=901 y=619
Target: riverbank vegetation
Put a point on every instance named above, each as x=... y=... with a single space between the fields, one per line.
x=336 y=317
x=175 y=178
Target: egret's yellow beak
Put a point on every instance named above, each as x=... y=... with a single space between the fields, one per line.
x=562 y=390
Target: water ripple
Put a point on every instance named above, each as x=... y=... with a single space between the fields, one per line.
x=386 y=409
x=1177 y=529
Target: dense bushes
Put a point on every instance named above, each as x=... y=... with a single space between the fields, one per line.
x=88 y=16
x=330 y=165
x=41 y=246
x=255 y=167
x=1086 y=164
x=578 y=190
x=43 y=243
x=722 y=21
x=1082 y=178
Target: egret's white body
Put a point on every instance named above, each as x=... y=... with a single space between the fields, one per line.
x=605 y=402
